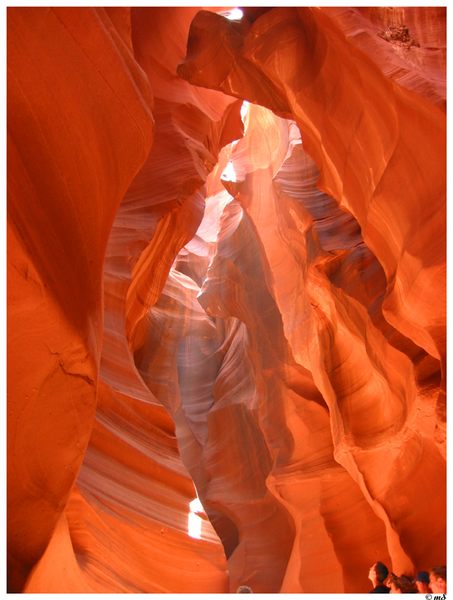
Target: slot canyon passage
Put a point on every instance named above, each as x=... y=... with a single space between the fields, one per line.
x=226 y=297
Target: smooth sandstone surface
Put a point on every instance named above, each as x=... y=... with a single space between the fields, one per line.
x=70 y=162
x=238 y=304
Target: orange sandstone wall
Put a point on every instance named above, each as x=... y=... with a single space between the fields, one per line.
x=83 y=172
x=261 y=326
x=358 y=272
x=70 y=162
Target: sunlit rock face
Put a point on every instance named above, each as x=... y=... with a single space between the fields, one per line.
x=237 y=366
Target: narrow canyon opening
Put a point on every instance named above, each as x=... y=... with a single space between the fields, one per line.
x=226 y=298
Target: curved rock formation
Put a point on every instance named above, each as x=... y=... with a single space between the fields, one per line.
x=237 y=367
x=355 y=340
x=370 y=130
x=408 y=45
x=64 y=188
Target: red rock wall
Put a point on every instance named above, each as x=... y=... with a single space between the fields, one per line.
x=274 y=335
x=348 y=289
x=70 y=162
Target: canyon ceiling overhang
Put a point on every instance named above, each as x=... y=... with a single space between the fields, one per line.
x=226 y=297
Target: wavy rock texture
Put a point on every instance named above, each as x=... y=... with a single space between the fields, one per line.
x=64 y=187
x=161 y=207
x=372 y=126
x=350 y=275
x=260 y=313
x=420 y=67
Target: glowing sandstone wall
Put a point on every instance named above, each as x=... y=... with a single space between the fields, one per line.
x=274 y=335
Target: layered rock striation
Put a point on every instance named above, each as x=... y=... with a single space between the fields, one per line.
x=229 y=253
